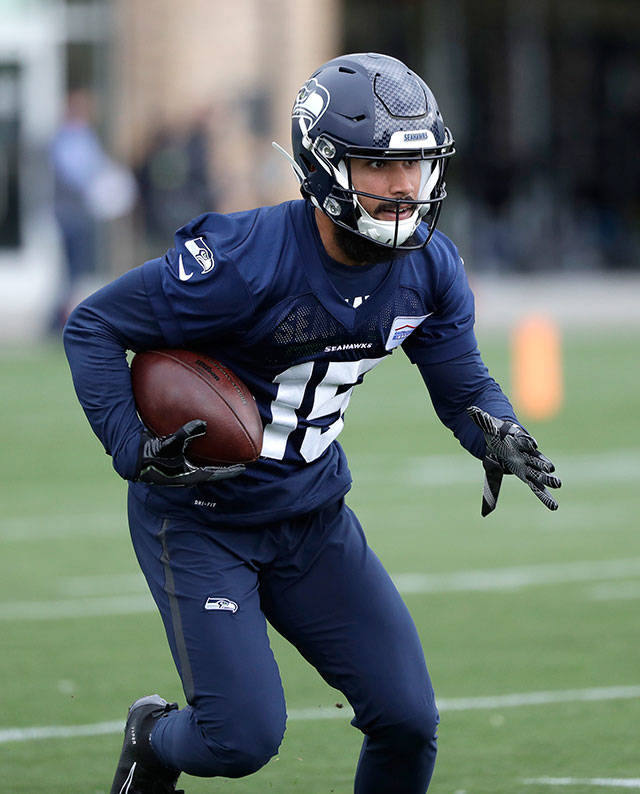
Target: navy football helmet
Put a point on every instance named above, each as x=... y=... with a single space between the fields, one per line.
x=372 y=107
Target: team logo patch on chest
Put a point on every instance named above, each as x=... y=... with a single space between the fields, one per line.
x=401 y=328
x=201 y=252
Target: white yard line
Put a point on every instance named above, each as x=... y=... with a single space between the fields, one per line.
x=612 y=782
x=72 y=608
x=616 y=465
x=621 y=465
x=52 y=526
x=540 y=698
x=614 y=591
x=333 y=712
x=517 y=577
x=59 y=731
x=488 y=580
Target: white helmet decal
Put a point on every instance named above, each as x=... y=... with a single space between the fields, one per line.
x=311 y=103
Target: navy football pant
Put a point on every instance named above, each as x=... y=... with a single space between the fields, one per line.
x=318 y=583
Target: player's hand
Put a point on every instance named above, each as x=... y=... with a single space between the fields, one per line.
x=163 y=460
x=511 y=450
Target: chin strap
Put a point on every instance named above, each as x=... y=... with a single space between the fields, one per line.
x=396 y=231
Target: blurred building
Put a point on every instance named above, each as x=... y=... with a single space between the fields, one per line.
x=237 y=65
x=543 y=99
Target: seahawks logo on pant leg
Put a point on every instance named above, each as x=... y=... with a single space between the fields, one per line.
x=214 y=604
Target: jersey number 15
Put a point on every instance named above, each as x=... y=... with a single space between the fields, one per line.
x=293 y=384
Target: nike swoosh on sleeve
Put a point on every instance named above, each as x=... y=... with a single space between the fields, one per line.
x=182 y=273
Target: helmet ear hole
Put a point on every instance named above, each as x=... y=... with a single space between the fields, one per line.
x=309 y=165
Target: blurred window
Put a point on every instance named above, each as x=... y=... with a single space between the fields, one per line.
x=9 y=145
x=544 y=101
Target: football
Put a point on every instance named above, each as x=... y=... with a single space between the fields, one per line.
x=171 y=387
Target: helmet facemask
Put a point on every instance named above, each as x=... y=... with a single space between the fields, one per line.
x=343 y=204
x=395 y=233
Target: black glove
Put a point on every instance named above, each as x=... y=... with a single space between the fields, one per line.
x=162 y=461
x=511 y=450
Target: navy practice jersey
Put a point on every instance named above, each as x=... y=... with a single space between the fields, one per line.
x=251 y=289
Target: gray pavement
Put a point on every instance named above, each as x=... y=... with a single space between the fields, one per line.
x=575 y=300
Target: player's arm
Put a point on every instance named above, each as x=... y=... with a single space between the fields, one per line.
x=445 y=350
x=99 y=331
x=456 y=384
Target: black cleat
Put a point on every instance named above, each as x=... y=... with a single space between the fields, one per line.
x=139 y=770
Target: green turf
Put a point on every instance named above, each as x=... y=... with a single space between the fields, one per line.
x=64 y=536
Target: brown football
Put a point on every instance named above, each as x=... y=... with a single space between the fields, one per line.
x=171 y=387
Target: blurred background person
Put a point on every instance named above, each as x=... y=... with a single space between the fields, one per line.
x=89 y=189
x=174 y=178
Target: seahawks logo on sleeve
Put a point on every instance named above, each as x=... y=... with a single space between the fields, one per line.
x=203 y=255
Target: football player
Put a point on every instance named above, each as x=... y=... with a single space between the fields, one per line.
x=301 y=300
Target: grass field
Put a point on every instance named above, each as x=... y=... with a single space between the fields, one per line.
x=539 y=606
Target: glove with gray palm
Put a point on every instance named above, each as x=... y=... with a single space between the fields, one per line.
x=163 y=460
x=511 y=450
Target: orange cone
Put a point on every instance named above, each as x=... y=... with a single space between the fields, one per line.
x=536 y=363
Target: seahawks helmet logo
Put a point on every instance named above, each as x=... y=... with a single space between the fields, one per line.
x=311 y=102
